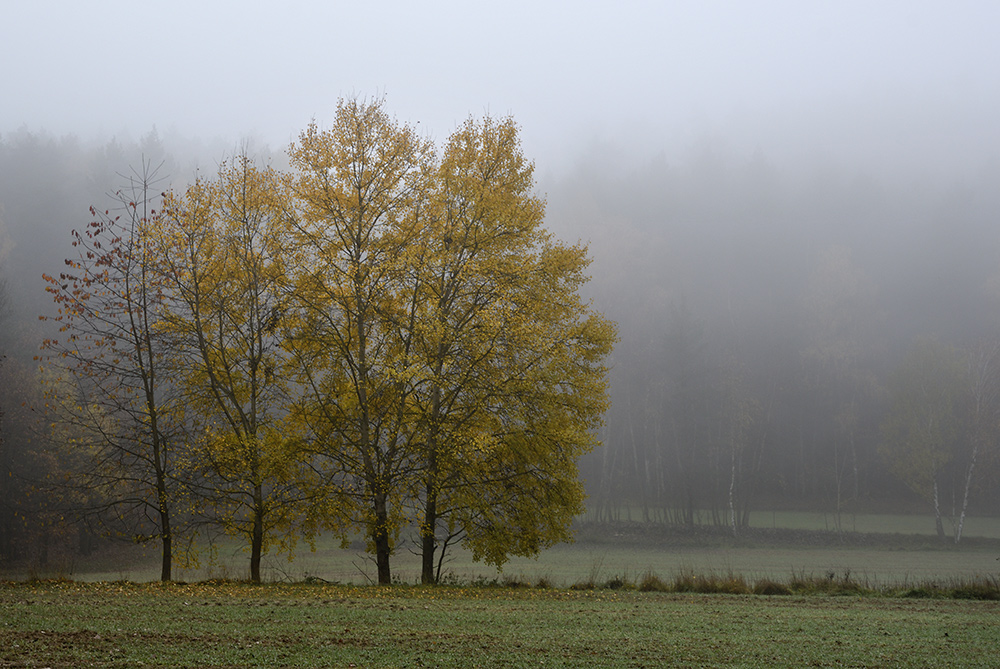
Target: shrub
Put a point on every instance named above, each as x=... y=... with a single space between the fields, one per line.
x=731 y=584
x=511 y=581
x=618 y=583
x=768 y=587
x=650 y=582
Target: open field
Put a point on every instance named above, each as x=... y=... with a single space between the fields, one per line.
x=881 y=523
x=787 y=543
x=240 y=625
x=561 y=565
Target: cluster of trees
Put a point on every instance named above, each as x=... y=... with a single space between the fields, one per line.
x=943 y=425
x=784 y=329
x=769 y=318
x=377 y=339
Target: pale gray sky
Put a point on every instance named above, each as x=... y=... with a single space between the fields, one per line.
x=907 y=74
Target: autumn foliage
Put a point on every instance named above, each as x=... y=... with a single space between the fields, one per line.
x=383 y=340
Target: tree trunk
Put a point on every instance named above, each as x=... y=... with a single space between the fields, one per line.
x=380 y=537
x=938 y=524
x=965 y=492
x=428 y=530
x=732 y=490
x=166 y=560
x=257 y=540
x=428 y=539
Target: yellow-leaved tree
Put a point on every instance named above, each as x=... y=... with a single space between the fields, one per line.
x=382 y=339
x=512 y=384
x=360 y=189
x=224 y=251
x=452 y=373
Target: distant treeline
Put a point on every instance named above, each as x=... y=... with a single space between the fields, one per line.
x=809 y=336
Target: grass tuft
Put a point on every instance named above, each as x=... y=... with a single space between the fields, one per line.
x=712 y=583
x=511 y=581
x=923 y=592
x=650 y=582
x=985 y=588
x=544 y=583
x=829 y=584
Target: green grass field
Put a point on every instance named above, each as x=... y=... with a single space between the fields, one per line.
x=240 y=625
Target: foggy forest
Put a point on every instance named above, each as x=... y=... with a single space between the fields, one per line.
x=388 y=333
x=719 y=263
x=783 y=326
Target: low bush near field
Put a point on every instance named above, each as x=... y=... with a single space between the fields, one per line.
x=767 y=587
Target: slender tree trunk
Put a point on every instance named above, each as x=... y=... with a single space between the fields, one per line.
x=938 y=524
x=428 y=536
x=43 y=556
x=167 y=543
x=257 y=540
x=838 y=484
x=732 y=491
x=428 y=539
x=159 y=460
x=166 y=560
x=965 y=492
x=380 y=537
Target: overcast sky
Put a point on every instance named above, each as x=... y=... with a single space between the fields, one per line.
x=898 y=77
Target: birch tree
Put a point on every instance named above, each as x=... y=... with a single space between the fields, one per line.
x=925 y=421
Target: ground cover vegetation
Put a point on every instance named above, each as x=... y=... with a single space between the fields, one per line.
x=225 y=624
x=379 y=338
